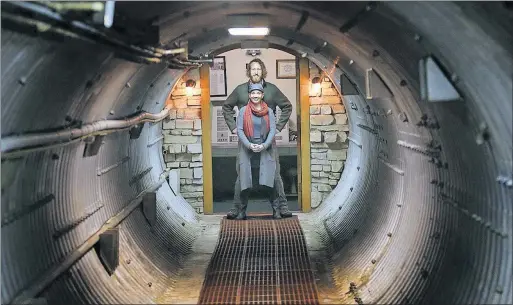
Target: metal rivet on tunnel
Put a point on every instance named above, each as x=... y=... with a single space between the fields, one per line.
x=357 y=168
x=149 y=284
x=351 y=62
x=373 y=261
x=183 y=224
x=340 y=207
x=128 y=85
x=111 y=112
x=499 y=290
x=424 y=273
x=351 y=189
x=151 y=85
x=168 y=208
x=55 y=157
x=417 y=37
x=22 y=81
x=389 y=234
x=454 y=77
x=128 y=261
x=68 y=118
x=402 y=117
x=375 y=53
x=402 y=83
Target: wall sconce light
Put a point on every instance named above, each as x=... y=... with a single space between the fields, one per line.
x=189 y=86
x=316 y=86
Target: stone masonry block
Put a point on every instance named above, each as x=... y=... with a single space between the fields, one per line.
x=172 y=114
x=338 y=108
x=330 y=137
x=315 y=109
x=170 y=124
x=341 y=119
x=194 y=148
x=173 y=164
x=183 y=157
x=197 y=124
x=329 y=91
x=194 y=101
x=179 y=139
x=197 y=158
x=319 y=156
x=316 y=199
x=315 y=136
x=325 y=109
x=184 y=124
x=321 y=119
x=325 y=100
x=337 y=166
x=198 y=172
x=186 y=173
x=319 y=162
x=316 y=167
x=337 y=155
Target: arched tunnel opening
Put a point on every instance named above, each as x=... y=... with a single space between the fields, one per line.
x=421 y=213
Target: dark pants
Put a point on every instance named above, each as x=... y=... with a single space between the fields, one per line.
x=278 y=190
x=269 y=192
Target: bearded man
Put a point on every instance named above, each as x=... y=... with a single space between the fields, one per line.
x=256 y=73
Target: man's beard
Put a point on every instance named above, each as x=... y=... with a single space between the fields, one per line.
x=256 y=78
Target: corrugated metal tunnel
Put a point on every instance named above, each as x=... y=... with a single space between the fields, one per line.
x=405 y=224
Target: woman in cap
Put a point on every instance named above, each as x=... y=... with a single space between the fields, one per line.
x=256 y=165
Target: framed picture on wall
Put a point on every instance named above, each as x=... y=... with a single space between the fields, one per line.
x=285 y=68
x=218 y=77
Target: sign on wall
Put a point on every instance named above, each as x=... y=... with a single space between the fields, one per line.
x=218 y=85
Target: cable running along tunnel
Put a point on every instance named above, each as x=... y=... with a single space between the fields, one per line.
x=421 y=214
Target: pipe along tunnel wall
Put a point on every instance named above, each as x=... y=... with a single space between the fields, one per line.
x=404 y=226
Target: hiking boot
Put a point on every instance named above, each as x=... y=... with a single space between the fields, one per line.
x=284 y=210
x=234 y=212
x=276 y=210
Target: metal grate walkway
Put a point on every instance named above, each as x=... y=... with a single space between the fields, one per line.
x=260 y=261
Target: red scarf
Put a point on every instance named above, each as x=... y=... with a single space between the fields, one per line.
x=248 y=118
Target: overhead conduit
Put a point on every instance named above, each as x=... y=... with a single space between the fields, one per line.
x=403 y=226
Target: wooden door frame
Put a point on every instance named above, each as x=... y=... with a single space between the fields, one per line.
x=303 y=119
x=206 y=140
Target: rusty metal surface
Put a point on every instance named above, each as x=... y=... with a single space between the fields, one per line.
x=450 y=243
x=57 y=88
x=260 y=261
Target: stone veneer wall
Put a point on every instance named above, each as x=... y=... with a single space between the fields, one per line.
x=182 y=141
x=328 y=138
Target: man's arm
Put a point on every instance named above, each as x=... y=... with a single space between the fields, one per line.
x=285 y=106
x=228 y=111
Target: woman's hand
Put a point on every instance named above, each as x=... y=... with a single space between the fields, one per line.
x=256 y=147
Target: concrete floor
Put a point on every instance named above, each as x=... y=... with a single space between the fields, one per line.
x=187 y=288
x=254 y=206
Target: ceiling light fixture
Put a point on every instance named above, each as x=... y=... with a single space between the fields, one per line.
x=249 y=31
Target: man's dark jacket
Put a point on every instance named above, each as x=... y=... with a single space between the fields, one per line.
x=272 y=96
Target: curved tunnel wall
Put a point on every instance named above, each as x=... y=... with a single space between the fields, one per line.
x=86 y=191
x=450 y=227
